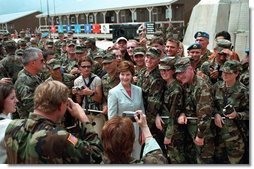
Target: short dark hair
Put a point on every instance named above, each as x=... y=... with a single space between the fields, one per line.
x=125 y=66
x=225 y=34
x=5 y=91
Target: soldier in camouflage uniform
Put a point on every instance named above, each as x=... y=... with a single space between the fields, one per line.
x=232 y=102
x=90 y=44
x=245 y=72
x=172 y=107
x=58 y=44
x=152 y=87
x=139 y=58
x=28 y=80
x=98 y=67
x=40 y=140
x=11 y=64
x=110 y=79
x=198 y=105
x=2 y=51
x=203 y=39
x=56 y=74
x=194 y=51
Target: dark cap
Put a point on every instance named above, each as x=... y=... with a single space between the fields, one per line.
x=223 y=44
x=53 y=64
x=154 y=52
x=231 y=66
x=139 y=51
x=201 y=34
x=121 y=39
x=99 y=55
x=22 y=42
x=90 y=40
x=50 y=43
x=10 y=44
x=181 y=64
x=109 y=57
x=194 y=46
x=167 y=63
x=79 y=49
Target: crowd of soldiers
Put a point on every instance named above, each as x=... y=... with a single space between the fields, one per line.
x=181 y=111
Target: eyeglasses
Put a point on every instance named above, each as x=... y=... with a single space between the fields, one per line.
x=86 y=66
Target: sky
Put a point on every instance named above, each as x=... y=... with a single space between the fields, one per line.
x=14 y=6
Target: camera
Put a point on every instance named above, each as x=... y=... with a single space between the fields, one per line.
x=79 y=87
x=228 y=109
x=130 y=114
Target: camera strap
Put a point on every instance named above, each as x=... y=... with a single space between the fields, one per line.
x=88 y=85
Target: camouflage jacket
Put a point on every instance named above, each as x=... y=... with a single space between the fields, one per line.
x=38 y=140
x=10 y=67
x=198 y=103
x=108 y=83
x=237 y=96
x=152 y=86
x=25 y=86
x=172 y=107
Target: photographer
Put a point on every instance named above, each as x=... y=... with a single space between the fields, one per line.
x=88 y=91
x=118 y=137
x=231 y=101
x=41 y=140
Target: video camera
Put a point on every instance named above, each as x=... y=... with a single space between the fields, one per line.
x=130 y=114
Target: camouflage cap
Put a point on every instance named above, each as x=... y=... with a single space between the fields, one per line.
x=167 y=63
x=60 y=33
x=194 y=46
x=223 y=44
x=139 y=51
x=90 y=40
x=71 y=43
x=79 y=49
x=33 y=41
x=153 y=52
x=50 y=43
x=99 y=55
x=231 y=66
x=109 y=57
x=201 y=34
x=53 y=64
x=63 y=44
x=22 y=42
x=22 y=32
x=10 y=44
x=181 y=64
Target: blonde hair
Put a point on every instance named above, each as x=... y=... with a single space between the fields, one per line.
x=49 y=95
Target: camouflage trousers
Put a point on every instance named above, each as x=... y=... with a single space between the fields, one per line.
x=176 y=150
x=229 y=145
x=199 y=154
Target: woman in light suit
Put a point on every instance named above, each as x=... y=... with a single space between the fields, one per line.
x=126 y=97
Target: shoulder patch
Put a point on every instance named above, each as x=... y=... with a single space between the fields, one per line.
x=72 y=139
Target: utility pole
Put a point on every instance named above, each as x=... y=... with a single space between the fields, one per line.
x=48 y=18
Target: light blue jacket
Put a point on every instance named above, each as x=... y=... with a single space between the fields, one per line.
x=119 y=100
